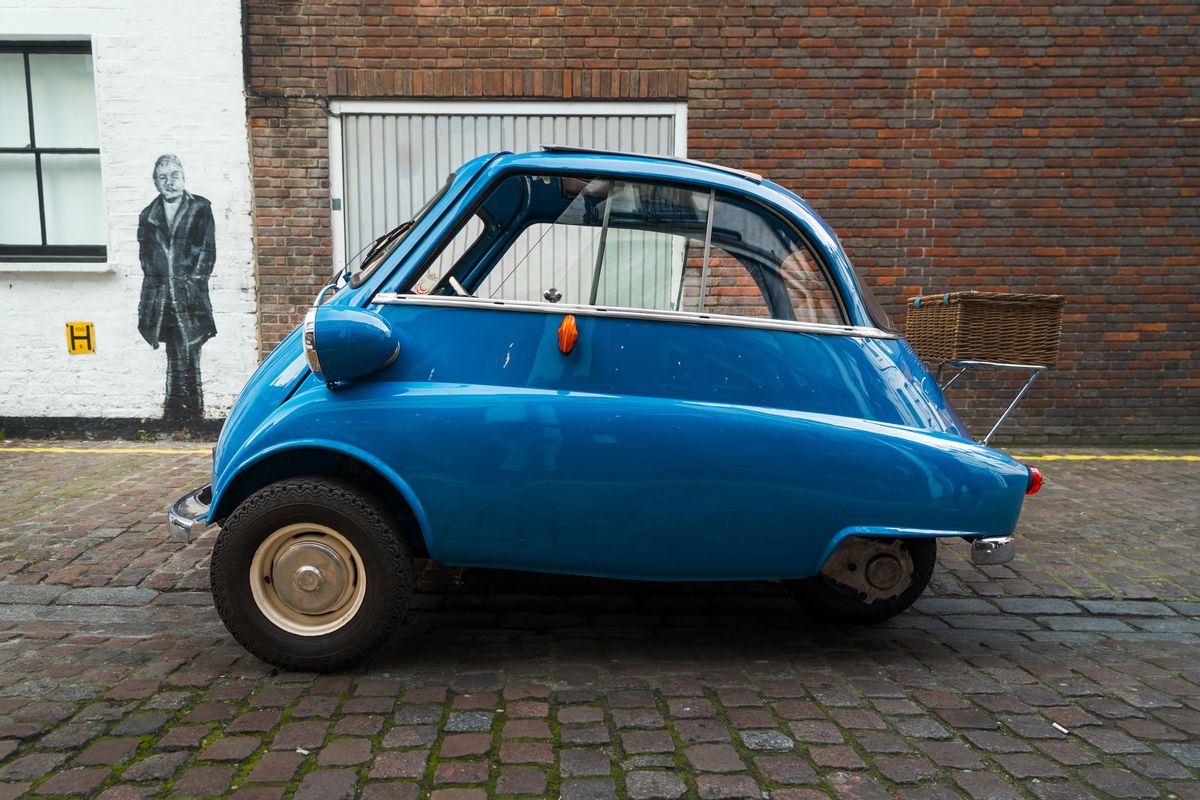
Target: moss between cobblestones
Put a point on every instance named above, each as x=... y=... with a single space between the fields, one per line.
x=309 y=764
x=285 y=717
x=436 y=748
x=554 y=779
x=362 y=771
x=108 y=781
x=738 y=744
x=166 y=790
x=493 y=756
x=146 y=748
x=682 y=767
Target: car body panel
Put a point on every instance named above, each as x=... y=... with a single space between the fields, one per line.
x=575 y=482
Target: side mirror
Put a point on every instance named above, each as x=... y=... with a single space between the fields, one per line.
x=343 y=343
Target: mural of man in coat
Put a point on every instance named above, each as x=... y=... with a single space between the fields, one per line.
x=178 y=250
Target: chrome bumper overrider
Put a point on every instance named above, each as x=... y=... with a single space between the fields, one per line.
x=189 y=514
x=997 y=550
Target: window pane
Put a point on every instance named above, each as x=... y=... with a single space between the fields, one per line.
x=64 y=100
x=467 y=235
x=649 y=226
x=74 y=201
x=641 y=270
x=729 y=289
x=641 y=266
x=546 y=259
x=14 y=108
x=19 y=201
x=758 y=262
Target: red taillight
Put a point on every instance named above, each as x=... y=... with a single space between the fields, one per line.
x=1035 y=480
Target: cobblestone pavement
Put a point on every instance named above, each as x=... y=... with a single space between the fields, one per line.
x=1072 y=673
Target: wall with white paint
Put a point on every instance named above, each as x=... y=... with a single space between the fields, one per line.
x=168 y=79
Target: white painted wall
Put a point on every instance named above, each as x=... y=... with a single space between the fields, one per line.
x=168 y=80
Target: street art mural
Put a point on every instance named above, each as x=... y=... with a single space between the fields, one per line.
x=177 y=247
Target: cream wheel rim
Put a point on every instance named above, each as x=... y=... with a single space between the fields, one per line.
x=308 y=579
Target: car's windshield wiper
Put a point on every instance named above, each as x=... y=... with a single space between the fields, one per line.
x=385 y=239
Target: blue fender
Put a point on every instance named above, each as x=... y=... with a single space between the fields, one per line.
x=256 y=450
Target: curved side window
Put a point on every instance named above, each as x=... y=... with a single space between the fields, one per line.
x=609 y=242
x=757 y=267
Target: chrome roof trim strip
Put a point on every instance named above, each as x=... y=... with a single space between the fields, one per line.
x=561 y=148
x=392 y=298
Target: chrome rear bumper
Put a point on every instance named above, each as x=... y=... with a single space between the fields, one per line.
x=996 y=550
x=189 y=514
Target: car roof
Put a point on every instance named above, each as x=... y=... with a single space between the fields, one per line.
x=558 y=148
x=638 y=165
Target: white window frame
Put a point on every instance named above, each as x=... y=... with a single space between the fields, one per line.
x=566 y=108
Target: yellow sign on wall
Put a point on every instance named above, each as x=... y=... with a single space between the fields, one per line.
x=81 y=338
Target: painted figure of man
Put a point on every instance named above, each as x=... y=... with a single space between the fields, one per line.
x=178 y=249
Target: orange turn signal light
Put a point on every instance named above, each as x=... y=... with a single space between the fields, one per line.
x=1035 y=480
x=568 y=334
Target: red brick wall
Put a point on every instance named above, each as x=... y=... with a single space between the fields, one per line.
x=991 y=146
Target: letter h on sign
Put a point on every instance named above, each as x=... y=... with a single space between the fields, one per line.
x=81 y=338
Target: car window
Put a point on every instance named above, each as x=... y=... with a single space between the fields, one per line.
x=578 y=259
x=757 y=267
x=631 y=244
x=362 y=264
x=467 y=236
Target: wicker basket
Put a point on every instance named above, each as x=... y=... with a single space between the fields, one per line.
x=983 y=326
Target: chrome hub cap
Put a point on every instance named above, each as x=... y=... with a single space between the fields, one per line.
x=874 y=568
x=310 y=576
x=307 y=579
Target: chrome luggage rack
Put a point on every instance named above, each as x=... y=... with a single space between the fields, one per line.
x=1034 y=371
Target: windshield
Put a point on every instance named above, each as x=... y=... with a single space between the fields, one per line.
x=367 y=260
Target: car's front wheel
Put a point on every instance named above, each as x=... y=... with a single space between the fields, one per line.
x=311 y=574
x=869 y=580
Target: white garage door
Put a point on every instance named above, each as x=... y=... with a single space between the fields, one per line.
x=387 y=158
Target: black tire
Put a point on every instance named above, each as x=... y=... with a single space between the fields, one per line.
x=380 y=561
x=830 y=600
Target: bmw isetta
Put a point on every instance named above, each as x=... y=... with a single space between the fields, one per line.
x=599 y=364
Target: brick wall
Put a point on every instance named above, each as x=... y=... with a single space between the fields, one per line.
x=992 y=146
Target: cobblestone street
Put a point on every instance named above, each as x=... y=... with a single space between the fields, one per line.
x=1073 y=672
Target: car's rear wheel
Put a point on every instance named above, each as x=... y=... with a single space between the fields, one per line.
x=311 y=574
x=869 y=580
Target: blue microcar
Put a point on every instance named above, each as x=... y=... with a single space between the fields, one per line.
x=592 y=363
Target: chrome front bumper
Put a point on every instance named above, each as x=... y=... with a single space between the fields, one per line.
x=189 y=514
x=996 y=550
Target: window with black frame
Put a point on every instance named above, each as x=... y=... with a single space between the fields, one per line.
x=51 y=201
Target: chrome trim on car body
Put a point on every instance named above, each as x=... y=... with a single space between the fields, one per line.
x=826 y=329
x=587 y=151
x=189 y=514
x=994 y=550
x=309 y=340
